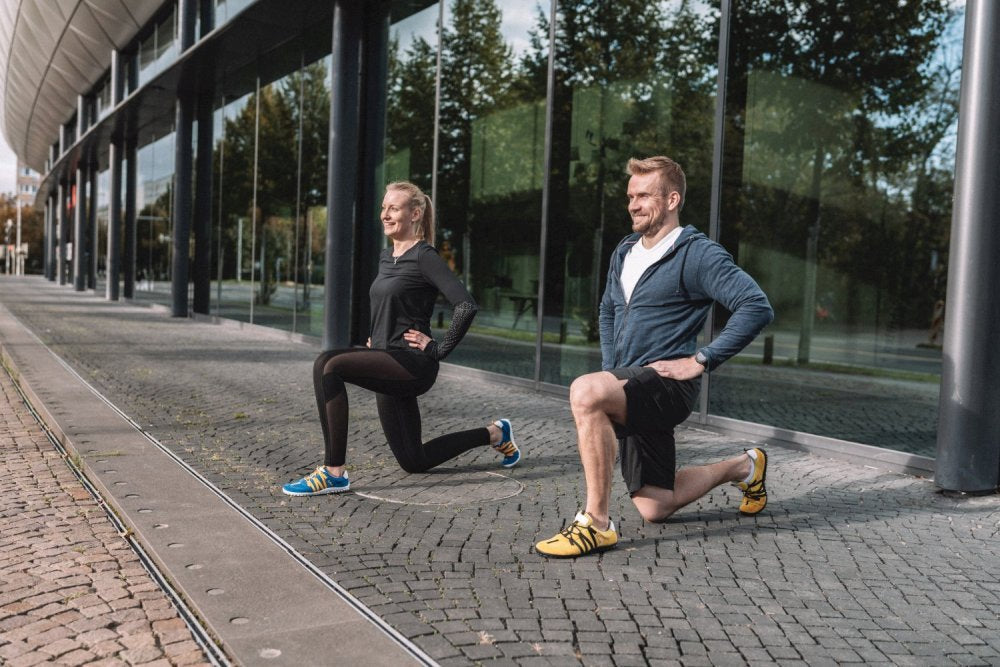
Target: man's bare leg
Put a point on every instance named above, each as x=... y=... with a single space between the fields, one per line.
x=656 y=504
x=597 y=401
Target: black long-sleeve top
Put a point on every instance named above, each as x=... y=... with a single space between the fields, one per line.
x=403 y=295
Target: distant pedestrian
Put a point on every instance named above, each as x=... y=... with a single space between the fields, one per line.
x=401 y=361
x=661 y=284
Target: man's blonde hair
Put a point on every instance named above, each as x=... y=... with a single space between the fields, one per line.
x=672 y=177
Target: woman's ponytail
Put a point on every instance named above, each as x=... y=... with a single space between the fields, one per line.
x=427 y=222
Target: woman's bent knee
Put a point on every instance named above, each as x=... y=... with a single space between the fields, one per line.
x=413 y=467
x=320 y=362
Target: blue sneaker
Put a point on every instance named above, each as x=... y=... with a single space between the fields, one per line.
x=318 y=483
x=506 y=446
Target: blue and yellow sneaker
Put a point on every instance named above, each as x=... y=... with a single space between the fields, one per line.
x=317 y=483
x=506 y=446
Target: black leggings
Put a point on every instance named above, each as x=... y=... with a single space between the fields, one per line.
x=396 y=391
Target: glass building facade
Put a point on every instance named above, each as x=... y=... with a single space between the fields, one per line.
x=818 y=141
x=833 y=189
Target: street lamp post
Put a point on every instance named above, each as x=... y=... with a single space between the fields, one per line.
x=6 y=245
x=18 y=257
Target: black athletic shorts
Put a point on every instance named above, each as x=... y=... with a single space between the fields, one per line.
x=654 y=406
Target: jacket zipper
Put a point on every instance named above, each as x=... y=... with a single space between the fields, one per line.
x=628 y=304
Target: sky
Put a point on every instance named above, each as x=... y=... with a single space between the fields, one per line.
x=8 y=167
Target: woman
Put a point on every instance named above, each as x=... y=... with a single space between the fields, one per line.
x=401 y=361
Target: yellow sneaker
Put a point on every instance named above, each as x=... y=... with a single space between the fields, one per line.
x=578 y=539
x=754 y=492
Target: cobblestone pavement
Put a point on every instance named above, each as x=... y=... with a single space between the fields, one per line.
x=72 y=591
x=847 y=564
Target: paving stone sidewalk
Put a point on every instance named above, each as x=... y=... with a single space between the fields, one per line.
x=848 y=564
x=72 y=591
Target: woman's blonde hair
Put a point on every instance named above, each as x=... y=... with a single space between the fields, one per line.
x=418 y=200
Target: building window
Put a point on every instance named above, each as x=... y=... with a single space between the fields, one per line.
x=159 y=48
x=69 y=133
x=102 y=99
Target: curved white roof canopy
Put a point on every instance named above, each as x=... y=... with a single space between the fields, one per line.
x=52 y=51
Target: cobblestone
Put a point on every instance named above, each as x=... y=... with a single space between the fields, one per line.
x=847 y=563
x=62 y=556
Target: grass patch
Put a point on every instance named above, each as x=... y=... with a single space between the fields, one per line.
x=844 y=369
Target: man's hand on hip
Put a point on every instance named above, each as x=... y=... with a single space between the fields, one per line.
x=685 y=368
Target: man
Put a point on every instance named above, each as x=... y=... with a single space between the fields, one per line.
x=661 y=284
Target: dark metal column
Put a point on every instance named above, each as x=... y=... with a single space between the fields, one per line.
x=375 y=64
x=968 y=439
x=79 y=233
x=718 y=154
x=182 y=206
x=93 y=235
x=183 y=163
x=49 y=242
x=202 y=228
x=63 y=234
x=342 y=178
x=114 y=219
x=129 y=246
x=202 y=225
x=543 y=247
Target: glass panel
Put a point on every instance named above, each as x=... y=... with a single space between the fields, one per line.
x=310 y=229
x=103 y=207
x=277 y=164
x=102 y=100
x=147 y=58
x=160 y=48
x=155 y=163
x=69 y=133
x=167 y=44
x=233 y=212
x=409 y=142
x=837 y=198
x=227 y=9
x=128 y=66
x=632 y=80
x=491 y=138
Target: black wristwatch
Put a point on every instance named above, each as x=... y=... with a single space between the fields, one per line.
x=701 y=359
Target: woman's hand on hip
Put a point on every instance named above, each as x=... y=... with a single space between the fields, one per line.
x=417 y=339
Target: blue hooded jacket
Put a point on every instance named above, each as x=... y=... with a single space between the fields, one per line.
x=671 y=301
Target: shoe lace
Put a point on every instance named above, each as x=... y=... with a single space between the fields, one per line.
x=755 y=490
x=506 y=448
x=582 y=537
x=317 y=478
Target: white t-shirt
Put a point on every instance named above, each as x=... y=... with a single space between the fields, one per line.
x=639 y=259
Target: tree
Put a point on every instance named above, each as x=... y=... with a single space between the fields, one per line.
x=633 y=79
x=476 y=80
x=293 y=114
x=410 y=116
x=32 y=231
x=833 y=79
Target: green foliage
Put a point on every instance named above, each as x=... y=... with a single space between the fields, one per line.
x=32 y=231
x=294 y=117
x=835 y=111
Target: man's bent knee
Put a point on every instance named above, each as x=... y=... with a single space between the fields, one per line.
x=655 y=505
x=593 y=391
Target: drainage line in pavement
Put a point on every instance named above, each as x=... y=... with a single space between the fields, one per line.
x=200 y=634
x=412 y=649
